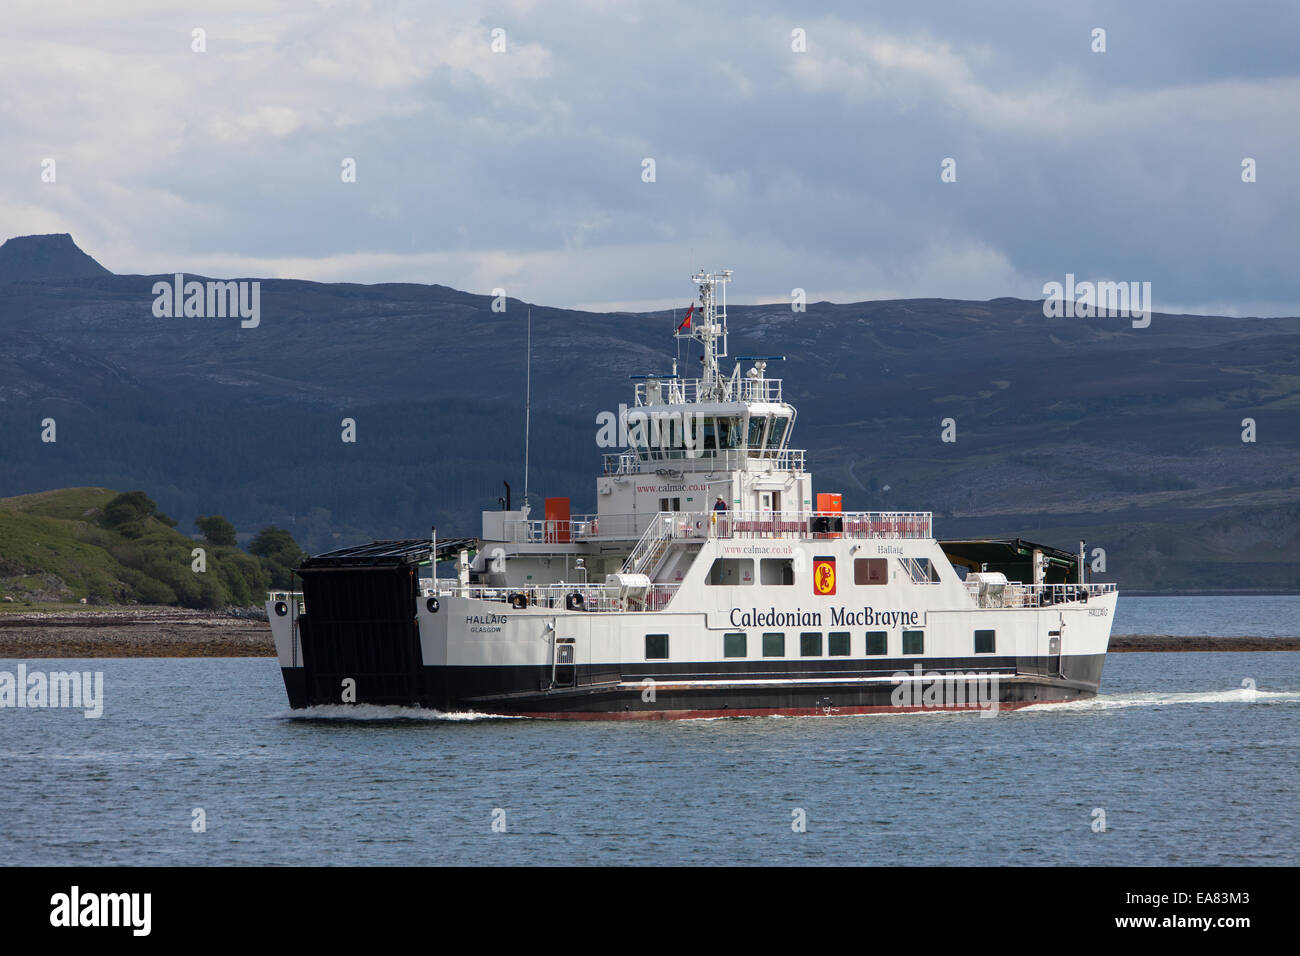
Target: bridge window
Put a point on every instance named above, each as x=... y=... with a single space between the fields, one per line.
x=773 y=645
x=914 y=642
x=877 y=643
x=656 y=647
x=731 y=432
x=776 y=571
x=731 y=572
x=870 y=570
x=810 y=644
x=777 y=432
x=837 y=644
x=757 y=425
x=985 y=642
x=733 y=645
x=710 y=434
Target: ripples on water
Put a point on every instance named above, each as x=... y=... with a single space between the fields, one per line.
x=1187 y=768
x=1241 y=616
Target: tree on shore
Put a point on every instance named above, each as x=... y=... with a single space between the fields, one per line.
x=216 y=529
x=127 y=513
x=280 y=554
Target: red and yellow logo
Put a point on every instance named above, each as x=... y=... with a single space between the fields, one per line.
x=824 y=576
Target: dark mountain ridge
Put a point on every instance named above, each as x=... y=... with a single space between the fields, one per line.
x=44 y=258
x=1129 y=437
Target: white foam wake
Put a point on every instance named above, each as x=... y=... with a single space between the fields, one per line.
x=1239 y=695
x=384 y=712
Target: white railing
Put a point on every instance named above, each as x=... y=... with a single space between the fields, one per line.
x=707 y=459
x=1014 y=594
x=594 y=597
x=574 y=528
x=682 y=391
x=766 y=524
x=651 y=543
x=814 y=524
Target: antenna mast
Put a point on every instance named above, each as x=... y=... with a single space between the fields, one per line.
x=710 y=330
x=528 y=399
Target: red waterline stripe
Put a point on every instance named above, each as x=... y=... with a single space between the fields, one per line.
x=851 y=711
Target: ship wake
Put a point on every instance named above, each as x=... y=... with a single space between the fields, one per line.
x=1239 y=695
x=366 y=713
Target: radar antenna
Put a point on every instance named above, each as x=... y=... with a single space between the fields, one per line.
x=710 y=330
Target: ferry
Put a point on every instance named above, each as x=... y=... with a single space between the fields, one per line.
x=711 y=581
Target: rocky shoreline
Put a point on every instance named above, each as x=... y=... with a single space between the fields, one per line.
x=135 y=632
x=177 y=632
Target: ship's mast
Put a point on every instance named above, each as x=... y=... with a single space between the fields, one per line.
x=710 y=330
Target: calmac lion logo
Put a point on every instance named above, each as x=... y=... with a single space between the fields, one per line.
x=824 y=576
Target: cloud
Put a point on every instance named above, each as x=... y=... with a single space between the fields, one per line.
x=818 y=170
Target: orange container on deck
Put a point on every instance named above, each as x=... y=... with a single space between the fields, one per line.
x=557 y=520
x=829 y=503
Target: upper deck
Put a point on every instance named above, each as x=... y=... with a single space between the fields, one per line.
x=721 y=524
x=671 y=390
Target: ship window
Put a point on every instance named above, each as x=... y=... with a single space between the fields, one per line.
x=730 y=432
x=670 y=504
x=685 y=443
x=757 y=425
x=914 y=642
x=776 y=571
x=837 y=644
x=665 y=434
x=985 y=642
x=733 y=645
x=810 y=644
x=731 y=572
x=877 y=643
x=920 y=570
x=656 y=647
x=870 y=570
x=637 y=437
x=710 y=434
x=773 y=645
x=779 y=425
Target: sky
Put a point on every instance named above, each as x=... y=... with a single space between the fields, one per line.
x=817 y=169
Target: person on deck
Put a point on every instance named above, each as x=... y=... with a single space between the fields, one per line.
x=720 y=504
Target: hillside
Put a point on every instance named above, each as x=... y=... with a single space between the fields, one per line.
x=46 y=258
x=1128 y=437
x=102 y=547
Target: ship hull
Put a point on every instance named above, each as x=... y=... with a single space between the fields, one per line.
x=910 y=686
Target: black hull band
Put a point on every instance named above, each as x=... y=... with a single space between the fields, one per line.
x=742 y=688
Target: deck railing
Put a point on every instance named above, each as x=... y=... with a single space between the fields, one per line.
x=814 y=524
x=574 y=528
x=594 y=597
x=725 y=524
x=724 y=459
x=1014 y=594
x=684 y=391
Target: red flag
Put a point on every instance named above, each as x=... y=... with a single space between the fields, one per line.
x=686 y=322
